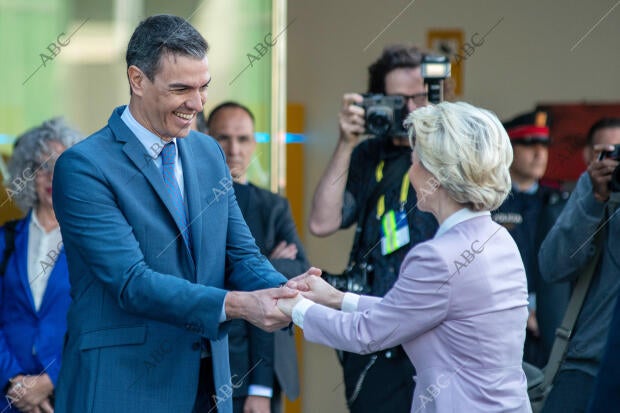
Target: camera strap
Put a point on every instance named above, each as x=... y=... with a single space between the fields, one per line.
x=564 y=332
x=404 y=190
x=394 y=171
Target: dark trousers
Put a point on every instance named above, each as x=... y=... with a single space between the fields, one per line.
x=206 y=388
x=571 y=392
x=378 y=382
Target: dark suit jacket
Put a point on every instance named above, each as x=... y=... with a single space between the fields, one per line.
x=252 y=359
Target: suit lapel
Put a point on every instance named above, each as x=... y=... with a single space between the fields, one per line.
x=55 y=281
x=21 y=258
x=192 y=195
x=143 y=161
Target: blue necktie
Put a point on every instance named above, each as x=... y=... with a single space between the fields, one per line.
x=168 y=155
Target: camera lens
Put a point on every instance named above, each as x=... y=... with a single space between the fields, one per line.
x=379 y=120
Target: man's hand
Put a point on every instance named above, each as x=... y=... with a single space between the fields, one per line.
x=257 y=404
x=259 y=307
x=351 y=118
x=284 y=251
x=313 y=287
x=29 y=393
x=600 y=173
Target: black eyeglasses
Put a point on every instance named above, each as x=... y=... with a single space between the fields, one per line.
x=419 y=99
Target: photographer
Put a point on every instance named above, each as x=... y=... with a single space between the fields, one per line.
x=353 y=190
x=567 y=250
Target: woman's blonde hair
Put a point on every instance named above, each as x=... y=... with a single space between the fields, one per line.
x=467 y=149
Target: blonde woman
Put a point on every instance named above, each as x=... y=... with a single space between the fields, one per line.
x=459 y=306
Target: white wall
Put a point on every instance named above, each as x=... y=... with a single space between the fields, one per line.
x=525 y=60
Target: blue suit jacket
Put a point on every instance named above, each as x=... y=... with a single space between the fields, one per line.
x=30 y=341
x=142 y=302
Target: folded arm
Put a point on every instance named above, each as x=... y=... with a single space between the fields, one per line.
x=569 y=245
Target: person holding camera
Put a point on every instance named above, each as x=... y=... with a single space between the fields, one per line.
x=459 y=315
x=607 y=387
x=366 y=184
x=528 y=213
x=583 y=235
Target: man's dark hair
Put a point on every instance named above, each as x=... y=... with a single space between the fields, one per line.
x=393 y=57
x=161 y=34
x=227 y=105
x=603 y=123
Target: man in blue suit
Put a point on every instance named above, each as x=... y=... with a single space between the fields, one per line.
x=150 y=223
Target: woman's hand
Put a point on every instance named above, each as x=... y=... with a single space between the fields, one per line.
x=30 y=392
x=313 y=287
x=286 y=304
x=46 y=406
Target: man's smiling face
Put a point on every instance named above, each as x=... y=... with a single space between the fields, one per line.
x=167 y=105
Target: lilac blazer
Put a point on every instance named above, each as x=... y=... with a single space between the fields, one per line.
x=459 y=308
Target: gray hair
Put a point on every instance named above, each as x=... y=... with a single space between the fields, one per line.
x=466 y=149
x=161 y=34
x=30 y=150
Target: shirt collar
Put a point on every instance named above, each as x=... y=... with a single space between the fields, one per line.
x=531 y=190
x=458 y=217
x=151 y=142
x=34 y=220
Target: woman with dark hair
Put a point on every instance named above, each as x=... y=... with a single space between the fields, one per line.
x=34 y=286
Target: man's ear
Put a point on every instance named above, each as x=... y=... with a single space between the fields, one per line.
x=136 y=80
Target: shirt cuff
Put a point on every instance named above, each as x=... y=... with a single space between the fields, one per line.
x=258 y=390
x=531 y=301
x=299 y=311
x=350 y=302
x=223 y=313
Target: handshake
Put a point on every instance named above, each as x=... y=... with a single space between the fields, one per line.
x=272 y=309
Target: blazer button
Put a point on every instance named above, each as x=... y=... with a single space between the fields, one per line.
x=196 y=346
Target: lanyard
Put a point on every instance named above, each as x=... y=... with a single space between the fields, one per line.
x=404 y=190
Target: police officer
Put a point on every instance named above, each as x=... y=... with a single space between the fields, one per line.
x=528 y=213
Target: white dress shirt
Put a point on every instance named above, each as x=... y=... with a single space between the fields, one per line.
x=43 y=250
x=154 y=145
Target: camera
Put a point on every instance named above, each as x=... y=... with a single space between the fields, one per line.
x=614 y=184
x=385 y=114
x=355 y=279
